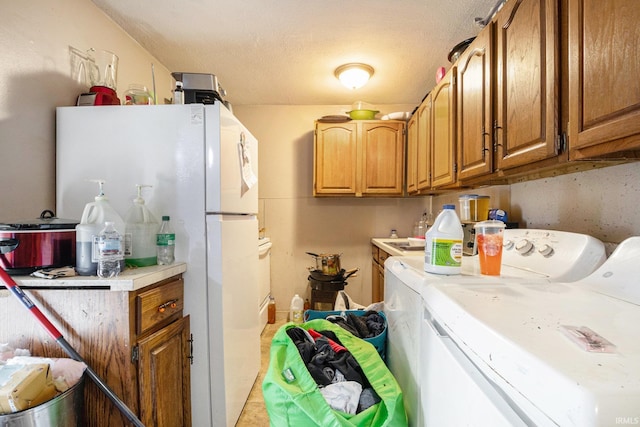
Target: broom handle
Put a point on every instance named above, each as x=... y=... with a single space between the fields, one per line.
x=56 y=335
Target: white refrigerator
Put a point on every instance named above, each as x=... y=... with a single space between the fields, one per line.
x=202 y=164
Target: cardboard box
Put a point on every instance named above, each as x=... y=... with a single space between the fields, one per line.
x=24 y=386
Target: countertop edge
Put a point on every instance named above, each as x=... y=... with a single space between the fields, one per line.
x=381 y=242
x=131 y=279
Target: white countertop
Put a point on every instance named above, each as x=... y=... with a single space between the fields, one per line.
x=130 y=279
x=383 y=243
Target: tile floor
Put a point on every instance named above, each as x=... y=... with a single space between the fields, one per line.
x=254 y=413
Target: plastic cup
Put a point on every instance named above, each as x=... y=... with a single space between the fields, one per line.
x=489 y=236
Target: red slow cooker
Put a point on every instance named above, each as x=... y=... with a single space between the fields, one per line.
x=26 y=246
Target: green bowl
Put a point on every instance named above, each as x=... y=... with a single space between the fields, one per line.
x=363 y=114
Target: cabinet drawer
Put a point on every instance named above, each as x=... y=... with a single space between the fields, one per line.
x=159 y=306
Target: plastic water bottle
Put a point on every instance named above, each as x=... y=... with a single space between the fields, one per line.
x=109 y=251
x=94 y=216
x=296 y=310
x=166 y=242
x=443 y=244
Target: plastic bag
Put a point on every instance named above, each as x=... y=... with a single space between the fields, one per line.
x=293 y=398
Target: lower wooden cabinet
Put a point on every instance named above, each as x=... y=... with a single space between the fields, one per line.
x=137 y=342
x=163 y=365
x=378 y=256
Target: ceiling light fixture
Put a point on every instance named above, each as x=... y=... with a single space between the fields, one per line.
x=354 y=75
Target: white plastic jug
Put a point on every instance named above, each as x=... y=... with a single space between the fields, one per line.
x=94 y=216
x=443 y=244
x=296 y=310
x=140 y=233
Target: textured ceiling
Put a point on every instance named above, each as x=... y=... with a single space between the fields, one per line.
x=285 y=51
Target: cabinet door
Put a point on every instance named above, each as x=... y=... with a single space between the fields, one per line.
x=443 y=102
x=604 y=71
x=164 y=376
x=382 y=158
x=473 y=115
x=527 y=82
x=380 y=283
x=375 y=282
x=412 y=155
x=335 y=158
x=425 y=141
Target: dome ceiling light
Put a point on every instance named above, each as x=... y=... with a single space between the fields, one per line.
x=354 y=75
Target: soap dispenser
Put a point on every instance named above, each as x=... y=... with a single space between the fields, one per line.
x=140 y=233
x=93 y=220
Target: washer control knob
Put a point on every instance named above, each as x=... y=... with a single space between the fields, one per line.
x=508 y=244
x=524 y=246
x=545 y=250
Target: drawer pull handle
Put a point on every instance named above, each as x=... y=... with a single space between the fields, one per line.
x=171 y=304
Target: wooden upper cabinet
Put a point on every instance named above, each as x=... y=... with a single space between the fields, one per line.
x=335 y=158
x=425 y=142
x=412 y=155
x=419 y=141
x=527 y=78
x=474 y=107
x=382 y=158
x=359 y=158
x=604 y=78
x=443 y=128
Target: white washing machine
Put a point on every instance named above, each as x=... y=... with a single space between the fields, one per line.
x=530 y=256
x=264 y=266
x=552 y=354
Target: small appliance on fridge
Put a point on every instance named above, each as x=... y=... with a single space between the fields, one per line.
x=202 y=164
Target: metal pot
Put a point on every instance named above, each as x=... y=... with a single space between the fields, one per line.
x=328 y=264
x=458 y=49
x=26 y=246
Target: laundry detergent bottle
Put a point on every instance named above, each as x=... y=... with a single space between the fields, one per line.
x=93 y=220
x=140 y=233
x=443 y=243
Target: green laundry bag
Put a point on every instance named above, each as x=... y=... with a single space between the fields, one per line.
x=293 y=398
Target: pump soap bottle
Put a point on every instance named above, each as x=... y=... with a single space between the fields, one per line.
x=140 y=233
x=94 y=217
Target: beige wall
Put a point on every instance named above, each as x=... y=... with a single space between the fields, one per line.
x=296 y=221
x=35 y=77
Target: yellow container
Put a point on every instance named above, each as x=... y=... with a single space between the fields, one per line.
x=479 y=208
x=363 y=114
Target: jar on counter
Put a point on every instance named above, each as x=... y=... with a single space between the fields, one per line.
x=271 y=310
x=137 y=94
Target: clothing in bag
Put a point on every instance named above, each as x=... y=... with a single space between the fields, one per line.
x=293 y=398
